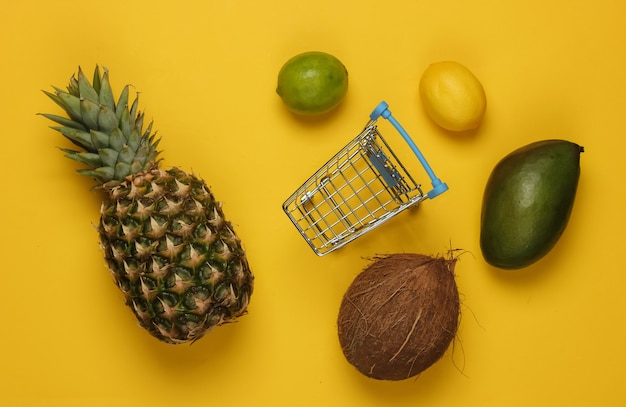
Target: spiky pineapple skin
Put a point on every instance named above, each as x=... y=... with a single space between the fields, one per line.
x=179 y=263
x=177 y=260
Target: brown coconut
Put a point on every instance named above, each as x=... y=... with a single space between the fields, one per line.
x=399 y=315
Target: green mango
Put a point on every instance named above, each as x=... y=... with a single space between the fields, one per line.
x=527 y=202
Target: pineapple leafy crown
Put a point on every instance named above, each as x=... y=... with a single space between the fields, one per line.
x=110 y=134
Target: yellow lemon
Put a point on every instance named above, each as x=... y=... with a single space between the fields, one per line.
x=452 y=96
x=312 y=83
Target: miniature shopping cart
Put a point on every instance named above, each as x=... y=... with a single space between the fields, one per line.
x=361 y=187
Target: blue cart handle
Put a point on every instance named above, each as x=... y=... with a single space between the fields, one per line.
x=382 y=110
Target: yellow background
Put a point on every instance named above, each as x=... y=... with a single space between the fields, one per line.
x=552 y=334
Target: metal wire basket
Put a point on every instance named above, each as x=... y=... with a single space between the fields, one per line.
x=360 y=188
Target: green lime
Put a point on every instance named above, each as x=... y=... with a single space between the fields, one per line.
x=312 y=83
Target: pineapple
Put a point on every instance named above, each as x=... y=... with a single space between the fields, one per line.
x=172 y=253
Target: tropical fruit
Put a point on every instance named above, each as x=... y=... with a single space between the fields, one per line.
x=452 y=96
x=399 y=315
x=165 y=239
x=527 y=202
x=312 y=83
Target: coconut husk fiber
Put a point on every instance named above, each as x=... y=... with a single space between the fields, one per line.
x=399 y=315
